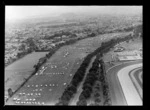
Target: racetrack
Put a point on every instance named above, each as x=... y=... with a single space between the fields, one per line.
x=140 y=77
x=135 y=76
x=116 y=93
x=129 y=90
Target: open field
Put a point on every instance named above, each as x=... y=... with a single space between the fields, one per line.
x=129 y=46
x=52 y=78
x=110 y=58
x=132 y=45
x=17 y=71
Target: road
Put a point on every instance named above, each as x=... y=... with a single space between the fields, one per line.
x=116 y=93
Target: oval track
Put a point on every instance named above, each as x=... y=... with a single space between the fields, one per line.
x=135 y=77
x=129 y=90
x=116 y=93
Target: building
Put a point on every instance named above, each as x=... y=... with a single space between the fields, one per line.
x=129 y=55
x=124 y=58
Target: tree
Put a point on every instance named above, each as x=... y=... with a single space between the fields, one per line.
x=92 y=104
x=22 y=47
x=97 y=101
x=86 y=93
x=96 y=94
x=10 y=92
x=82 y=103
x=107 y=102
x=47 y=55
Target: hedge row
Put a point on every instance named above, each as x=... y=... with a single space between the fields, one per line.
x=43 y=60
x=98 y=73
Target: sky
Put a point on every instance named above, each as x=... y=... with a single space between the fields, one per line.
x=23 y=12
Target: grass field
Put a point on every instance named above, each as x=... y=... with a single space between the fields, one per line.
x=129 y=46
x=59 y=70
x=17 y=71
x=132 y=45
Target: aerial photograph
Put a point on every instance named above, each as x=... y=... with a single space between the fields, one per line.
x=88 y=55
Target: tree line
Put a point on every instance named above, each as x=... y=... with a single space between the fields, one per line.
x=92 y=76
x=97 y=76
x=42 y=60
x=78 y=77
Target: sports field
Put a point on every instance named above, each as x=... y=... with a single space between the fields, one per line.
x=17 y=71
x=50 y=81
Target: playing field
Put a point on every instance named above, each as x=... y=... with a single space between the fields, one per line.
x=50 y=81
x=17 y=71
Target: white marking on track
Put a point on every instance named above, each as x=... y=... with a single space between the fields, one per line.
x=140 y=77
x=136 y=83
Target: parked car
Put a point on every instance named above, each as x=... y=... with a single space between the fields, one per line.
x=120 y=49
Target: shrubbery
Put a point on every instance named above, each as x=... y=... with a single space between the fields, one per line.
x=77 y=78
x=91 y=77
x=97 y=73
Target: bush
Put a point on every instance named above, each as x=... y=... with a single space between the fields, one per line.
x=86 y=93
x=107 y=102
x=82 y=103
x=10 y=92
x=97 y=100
x=87 y=86
x=93 y=74
x=96 y=94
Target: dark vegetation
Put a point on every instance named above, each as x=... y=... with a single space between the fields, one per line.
x=138 y=31
x=79 y=75
x=47 y=56
x=10 y=92
x=89 y=82
x=95 y=73
x=31 y=42
x=97 y=76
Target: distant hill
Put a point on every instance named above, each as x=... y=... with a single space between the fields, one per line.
x=69 y=17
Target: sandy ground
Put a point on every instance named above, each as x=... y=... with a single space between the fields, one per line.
x=131 y=94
